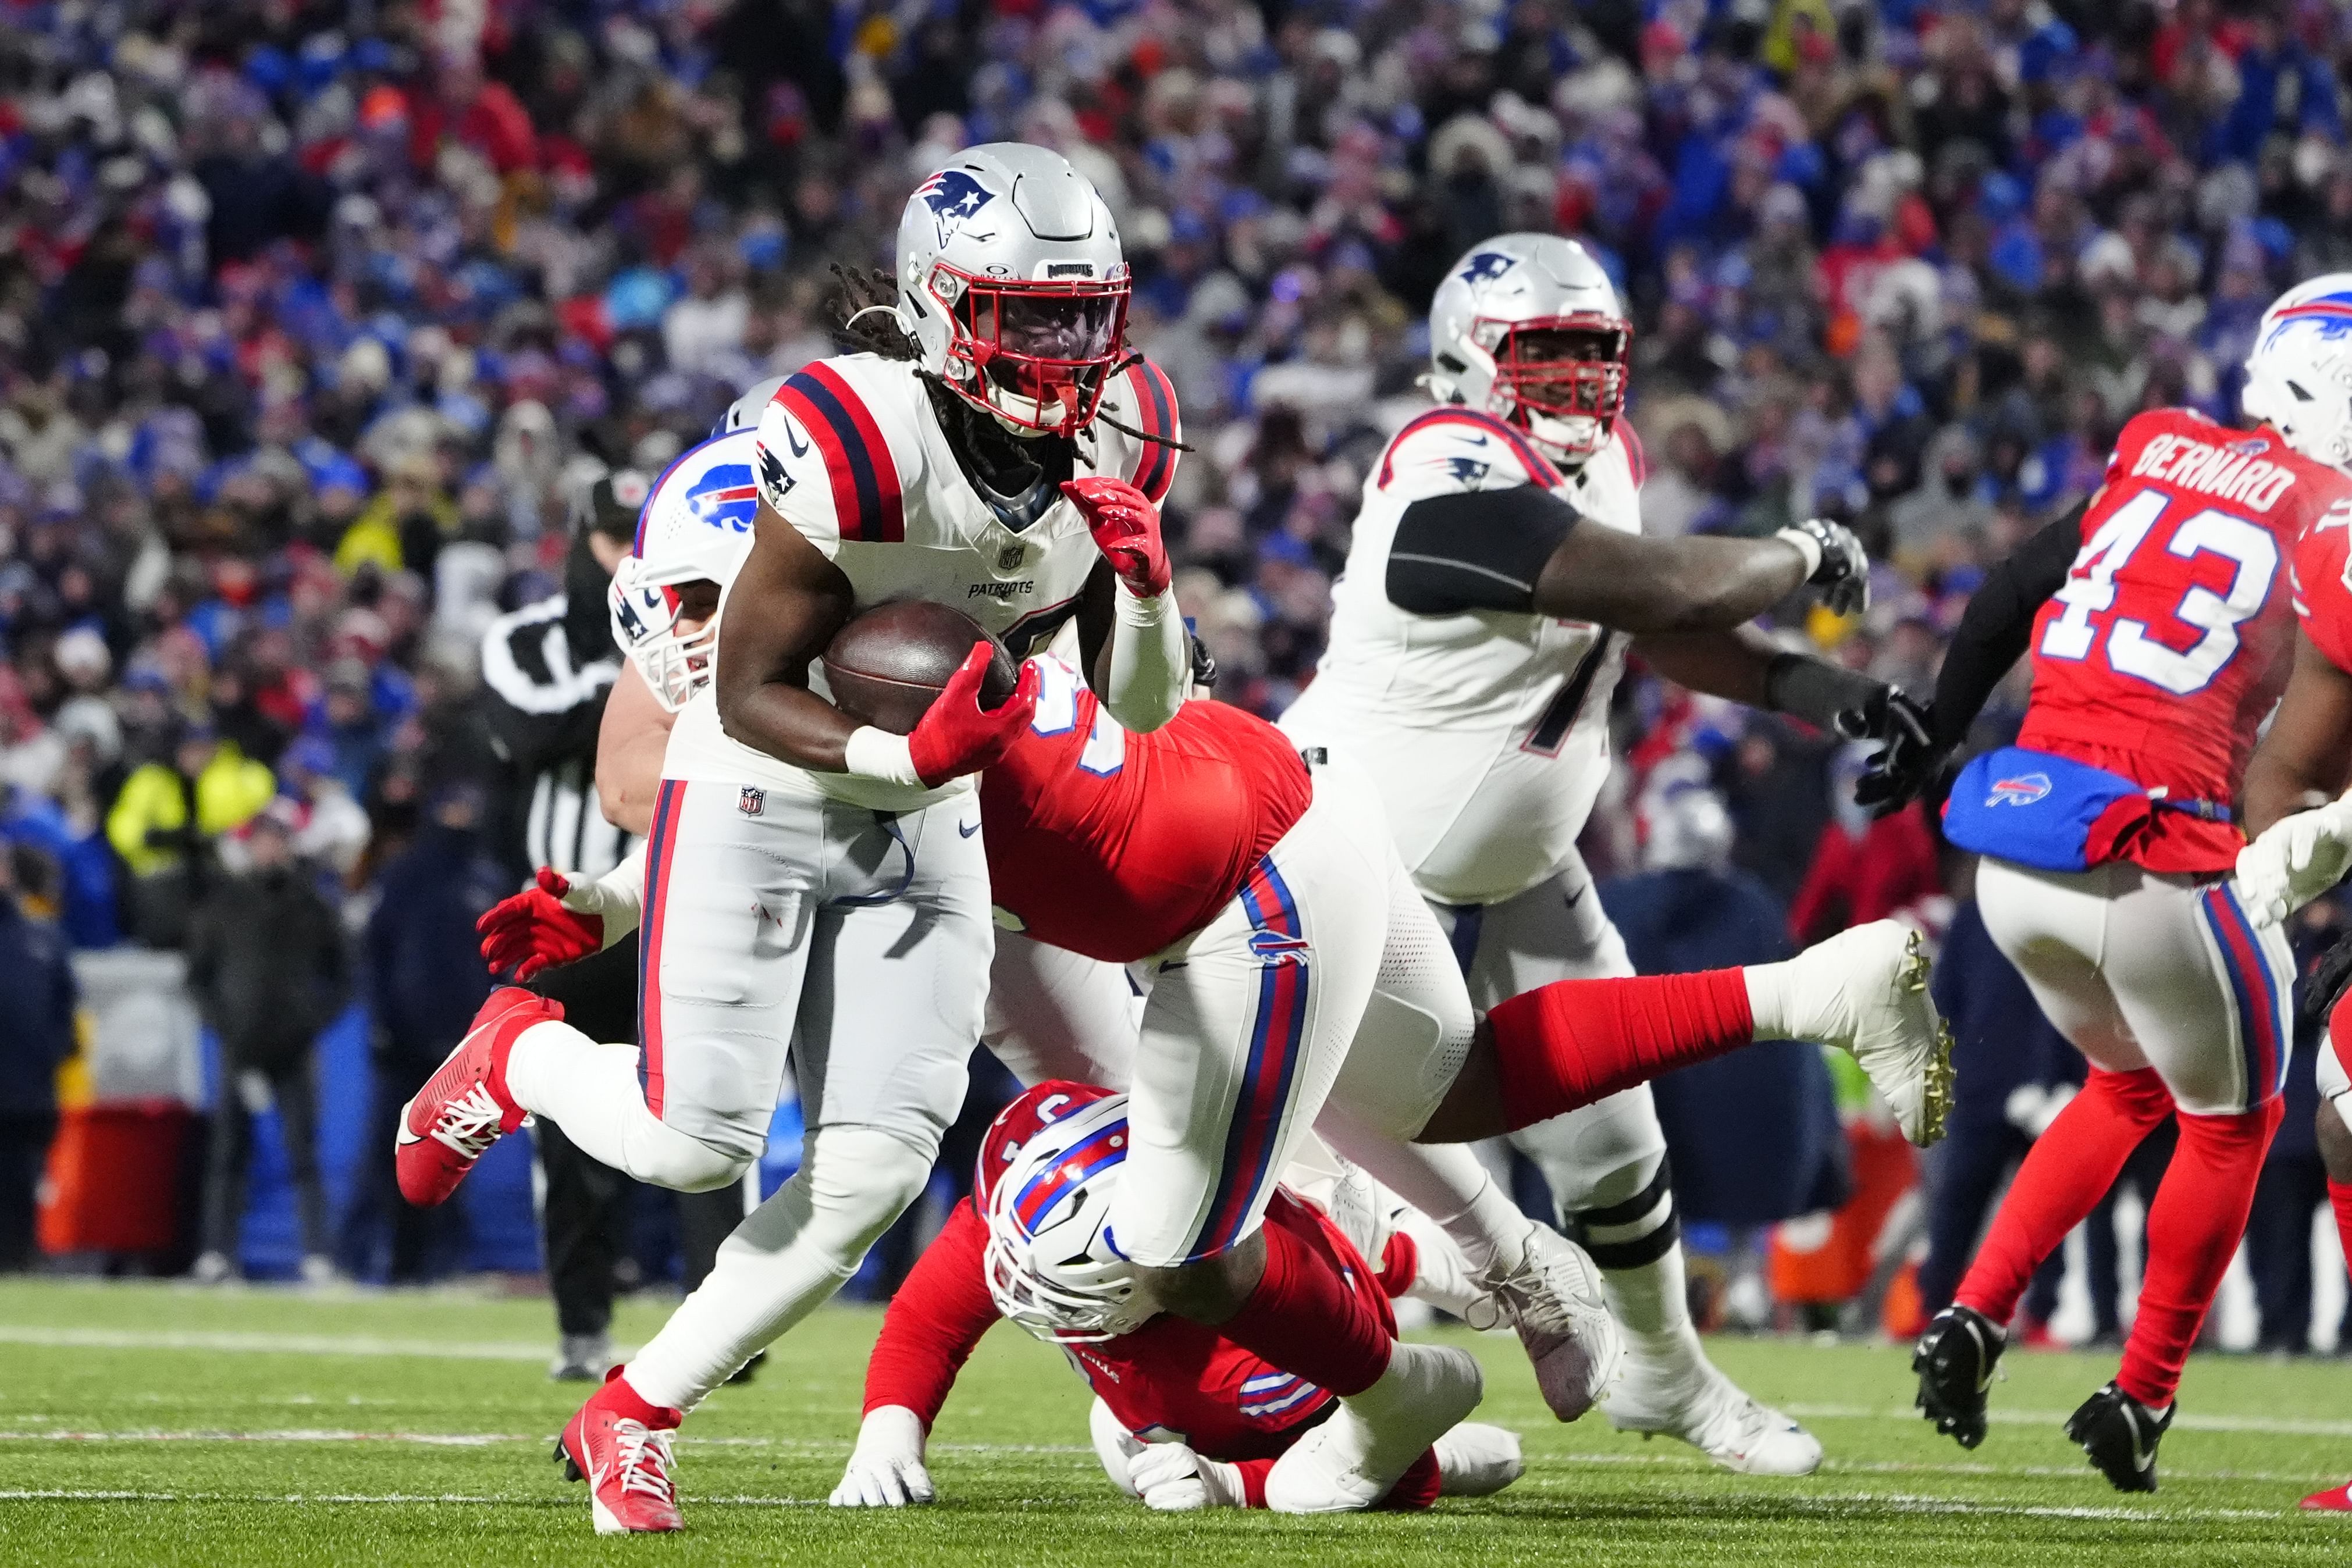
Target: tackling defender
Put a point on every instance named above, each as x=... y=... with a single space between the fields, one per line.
x=1497 y=580
x=1183 y=1418
x=2159 y=620
x=813 y=881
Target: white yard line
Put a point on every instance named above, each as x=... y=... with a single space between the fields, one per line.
x=232 y=1343
x=2186 y=1421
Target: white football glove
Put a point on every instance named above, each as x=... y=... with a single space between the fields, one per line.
x=887 y=1468
x=1172 y=1479
x=2295 y=861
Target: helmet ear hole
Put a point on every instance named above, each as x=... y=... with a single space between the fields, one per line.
x=2300 y=395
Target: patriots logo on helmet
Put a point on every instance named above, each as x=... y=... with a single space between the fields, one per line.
x=2022 y=790
x=633 y=625
x=724 y=497
x=954 y=197
x=1488 y=265
x=1468 y=470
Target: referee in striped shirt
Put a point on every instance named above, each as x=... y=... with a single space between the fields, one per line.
x=547 y=669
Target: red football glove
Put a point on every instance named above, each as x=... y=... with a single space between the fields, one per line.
x=1126 y=526
x=533 y=931
x=956 y=736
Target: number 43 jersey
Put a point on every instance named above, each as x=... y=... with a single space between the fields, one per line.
x=2172 y=635
x=1486 y=729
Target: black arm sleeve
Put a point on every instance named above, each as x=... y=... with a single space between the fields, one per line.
x=1475 y=550
x=1817 y=691
x=1998 y=622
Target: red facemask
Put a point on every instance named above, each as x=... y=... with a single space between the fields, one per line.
x=1046 y=349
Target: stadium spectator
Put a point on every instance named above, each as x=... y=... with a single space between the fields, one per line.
x=268 y=970
x=169 y=818
x=38 y=979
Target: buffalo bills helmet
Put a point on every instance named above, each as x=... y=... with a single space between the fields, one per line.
x=2299 y=374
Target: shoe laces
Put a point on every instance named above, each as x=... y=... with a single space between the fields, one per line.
x=471 y=1123
x=1545 y=1292
x=642 y=1460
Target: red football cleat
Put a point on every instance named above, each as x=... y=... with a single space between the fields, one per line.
x=619 y=1445
x=464 y=1108
x=2335 y=1500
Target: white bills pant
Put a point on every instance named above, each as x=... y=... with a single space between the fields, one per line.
x=1248 y=1022
x=2139 y=969
x=860 y=940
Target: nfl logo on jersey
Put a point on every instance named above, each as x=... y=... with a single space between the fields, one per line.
x=751 y=802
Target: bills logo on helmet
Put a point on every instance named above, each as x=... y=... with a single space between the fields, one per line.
x=954 y=197
x=2022 y=790
x=724 y=497
x=2330 y=313
x=1488 y=265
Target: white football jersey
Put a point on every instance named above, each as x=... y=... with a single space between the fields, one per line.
x=1488 y=730
x=850 y=451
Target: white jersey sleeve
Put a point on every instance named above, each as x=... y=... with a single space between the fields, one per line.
x=839 y=452
x=1487 y=729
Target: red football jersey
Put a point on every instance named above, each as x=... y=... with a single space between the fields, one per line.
x=2323 y=581
x=1114 y=844
x=2171 y=637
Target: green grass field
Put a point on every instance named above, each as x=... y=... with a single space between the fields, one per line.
x=156 y=1425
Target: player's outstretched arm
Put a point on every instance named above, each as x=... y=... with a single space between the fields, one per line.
x=1991 y=637
x=1747 y=666
x=2304 y=833
x=2305 y=757
x=1525 y=551
x=1139 y=657
x=787 y=601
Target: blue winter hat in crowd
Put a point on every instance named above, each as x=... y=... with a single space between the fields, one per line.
x=311 y=754
x=2047 y=52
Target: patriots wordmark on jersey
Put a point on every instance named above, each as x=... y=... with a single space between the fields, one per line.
x=851 y=452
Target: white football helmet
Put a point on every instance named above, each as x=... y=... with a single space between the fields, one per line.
x=1527 y=327
x=1011 y=282
x=695 y=526
x=1051 y=1266
x=2299 y=374
x=745 y=412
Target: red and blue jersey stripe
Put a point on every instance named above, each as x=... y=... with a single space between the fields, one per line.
x=1538 y=467
x=866 y=499
x=1155 y=410
x=1278 y=1041
x=2264 y=1032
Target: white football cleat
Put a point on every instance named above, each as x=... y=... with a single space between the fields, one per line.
x=1553 y=1298
x=1712 y=1413
x=1865 y=992
x=1351 y=1461
x=1477 y=1460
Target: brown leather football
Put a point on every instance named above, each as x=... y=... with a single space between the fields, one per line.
x=885 y=667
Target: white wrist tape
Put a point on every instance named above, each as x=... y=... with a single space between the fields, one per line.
x=1135 y=610
x=1807 y=546
x=874 y=753
x=619 y=897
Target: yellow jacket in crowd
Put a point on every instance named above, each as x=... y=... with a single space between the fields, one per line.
x=229 y=791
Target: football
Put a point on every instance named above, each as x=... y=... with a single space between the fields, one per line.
x=887 y=664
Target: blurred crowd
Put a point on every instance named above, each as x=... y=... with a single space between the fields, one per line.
x=315 y=318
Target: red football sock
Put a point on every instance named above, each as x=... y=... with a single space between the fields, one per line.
x=2339 y=1198
x=1575 y=1041
x=617 y=1394
x=2069 y=1169
x=1305 y=1319
x=2193 y=1229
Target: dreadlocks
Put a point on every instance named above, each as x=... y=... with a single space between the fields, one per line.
x=866 y=313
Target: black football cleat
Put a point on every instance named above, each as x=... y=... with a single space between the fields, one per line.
x=1955 y=1361
x=2120 y=1435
